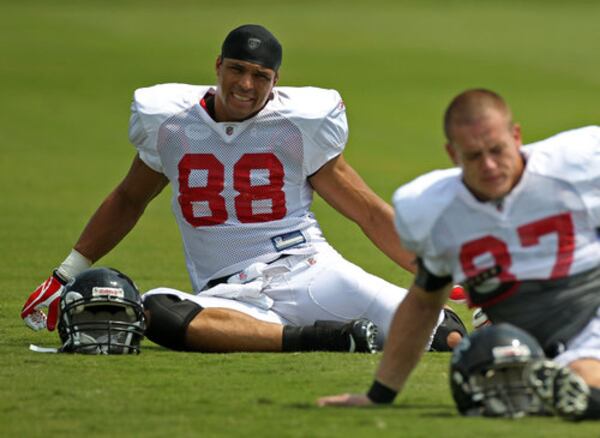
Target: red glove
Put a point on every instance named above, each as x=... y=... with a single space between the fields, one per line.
x=46 y=295
x=458 y=294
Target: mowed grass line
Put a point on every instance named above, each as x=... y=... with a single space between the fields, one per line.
x=66 y=80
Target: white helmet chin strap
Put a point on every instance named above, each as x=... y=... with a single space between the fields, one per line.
x=39 y=349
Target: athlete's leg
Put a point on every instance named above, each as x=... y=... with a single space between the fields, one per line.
x=588 y=369
x=570 y=385
x=182 y=321
x=327 y=287
x=582 y=354
x=226 y=330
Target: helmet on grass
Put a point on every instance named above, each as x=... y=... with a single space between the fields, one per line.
x=488 y=372
x=101 y=313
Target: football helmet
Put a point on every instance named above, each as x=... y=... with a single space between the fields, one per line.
x=489 y=372
x=101 y=313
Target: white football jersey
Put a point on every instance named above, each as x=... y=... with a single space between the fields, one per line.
x=240 y=192
x=546 y=228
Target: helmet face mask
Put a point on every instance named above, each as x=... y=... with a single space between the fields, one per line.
x=502 y=392
x=488 y=373
x=101 y=313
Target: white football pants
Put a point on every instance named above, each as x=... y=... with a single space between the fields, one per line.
x=302 y=289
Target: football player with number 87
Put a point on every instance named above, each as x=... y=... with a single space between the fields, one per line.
x=243 y=159
x=519 y=228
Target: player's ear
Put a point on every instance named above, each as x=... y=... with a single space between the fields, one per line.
x=276 y=78
x=218 y=63
x=516 y=133
x=451 y=151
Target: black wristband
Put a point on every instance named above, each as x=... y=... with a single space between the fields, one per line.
x=381 y=394
x=428 y=281
x=59 y=277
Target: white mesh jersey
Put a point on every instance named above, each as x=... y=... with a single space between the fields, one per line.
x=240 y=192
x=546 y=228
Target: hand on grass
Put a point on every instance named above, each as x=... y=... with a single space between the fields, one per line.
x=345 y=400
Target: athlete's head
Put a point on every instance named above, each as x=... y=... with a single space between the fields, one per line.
x=247 y=71
x=484 y=141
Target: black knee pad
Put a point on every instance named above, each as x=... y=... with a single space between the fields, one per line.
x=451 y=323
x=169 y=319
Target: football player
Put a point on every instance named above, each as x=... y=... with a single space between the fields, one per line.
x=243 y=159
x=518 y=226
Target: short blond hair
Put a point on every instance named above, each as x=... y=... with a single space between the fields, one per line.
x=470 y=107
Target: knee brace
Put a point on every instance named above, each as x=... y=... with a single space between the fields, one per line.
x=170 y=317
x=451 y=323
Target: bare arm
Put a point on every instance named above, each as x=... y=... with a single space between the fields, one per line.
x=411 y=327
x=120 y=211
x=413 y=322
x=339 y=184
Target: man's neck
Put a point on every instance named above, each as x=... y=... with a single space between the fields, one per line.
x=209 y=105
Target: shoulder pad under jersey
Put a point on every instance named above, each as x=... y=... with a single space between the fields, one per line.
x=569 y=156
x=150 y=108
x=420 y=203
x=308 y=103
x=321 y=117
x=164 y=100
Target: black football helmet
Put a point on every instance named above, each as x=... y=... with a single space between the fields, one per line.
x=488 y=372
x=101 y=313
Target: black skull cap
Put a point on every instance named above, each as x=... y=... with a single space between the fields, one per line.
x=253 y=43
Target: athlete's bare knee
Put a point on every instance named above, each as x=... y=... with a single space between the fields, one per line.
x=588 y=369
x=168 y=317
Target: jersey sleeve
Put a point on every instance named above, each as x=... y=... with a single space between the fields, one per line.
x=151 y=106
x=589 y=184
x=329 y=137
x=572 y=156
x=419 y=206
x=144 y=138
x=320 y=115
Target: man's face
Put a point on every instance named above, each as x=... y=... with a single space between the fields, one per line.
x=243 y=88
x=488 y=153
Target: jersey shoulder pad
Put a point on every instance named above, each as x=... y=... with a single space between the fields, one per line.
x=420 y=203
x=150 y=108
x=308 y=103
x=570 y=156
x=320 y=116
x=167 y=99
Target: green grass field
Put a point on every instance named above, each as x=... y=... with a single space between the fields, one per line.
x=67 y=73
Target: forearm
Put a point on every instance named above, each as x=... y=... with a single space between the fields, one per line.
x=409 y=332
x=380 y=229
x=346 y=191
x=113 y=220
x=120 y=211
x=411 y=327
x=115 y=217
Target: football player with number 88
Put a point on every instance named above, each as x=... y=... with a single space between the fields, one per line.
x=243 y=159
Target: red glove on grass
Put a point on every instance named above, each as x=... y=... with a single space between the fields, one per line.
x=46 y=295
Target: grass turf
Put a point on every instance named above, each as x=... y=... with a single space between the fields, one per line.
x=67 y=74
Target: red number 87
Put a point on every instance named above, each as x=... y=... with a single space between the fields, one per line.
x=215 y=180
x=529 y=235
